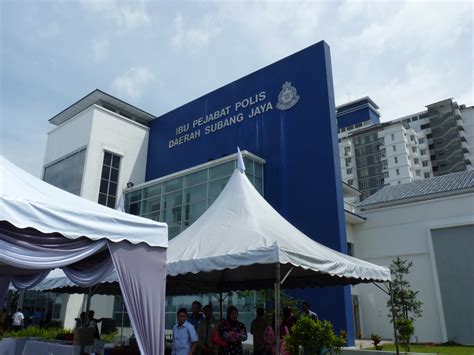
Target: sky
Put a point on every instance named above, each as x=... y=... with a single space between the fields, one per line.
x=159 y=55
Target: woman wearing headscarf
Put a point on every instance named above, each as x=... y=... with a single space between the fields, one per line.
x=233 y=332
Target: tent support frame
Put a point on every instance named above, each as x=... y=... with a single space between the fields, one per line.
x=277 y=308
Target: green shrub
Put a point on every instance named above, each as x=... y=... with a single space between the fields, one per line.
x=36 y=332
x=109 y=338
x=376 y=339
x=315 y=336
x=405 y=329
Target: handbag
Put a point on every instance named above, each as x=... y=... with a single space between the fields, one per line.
x=217 y=339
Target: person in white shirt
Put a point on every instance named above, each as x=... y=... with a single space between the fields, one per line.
x=18 y=320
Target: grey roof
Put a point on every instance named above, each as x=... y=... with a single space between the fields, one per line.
x=435 y=187
x=95 y=97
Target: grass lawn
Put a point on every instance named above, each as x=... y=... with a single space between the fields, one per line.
x=437 y=349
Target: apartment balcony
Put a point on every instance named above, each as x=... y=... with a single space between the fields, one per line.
x=460 y=125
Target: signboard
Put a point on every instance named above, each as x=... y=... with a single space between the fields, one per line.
x=285 y=114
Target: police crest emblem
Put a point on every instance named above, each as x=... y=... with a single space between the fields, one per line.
x=288 y=97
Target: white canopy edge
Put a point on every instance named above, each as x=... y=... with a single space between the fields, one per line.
x=241 y=228
x=28 y=202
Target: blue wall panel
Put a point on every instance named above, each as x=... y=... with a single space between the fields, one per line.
x=299 y=144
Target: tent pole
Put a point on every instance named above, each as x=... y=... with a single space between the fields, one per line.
x=88 y=307
x=88 y=304
x=221 y=301
x=277 y=309
x=121 y=325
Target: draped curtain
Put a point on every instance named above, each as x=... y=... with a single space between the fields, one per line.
x=144 y=300
x=27 y=256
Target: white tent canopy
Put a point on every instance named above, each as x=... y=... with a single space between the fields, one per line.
x=236 y=243
x=30 y=202
x=43 y=228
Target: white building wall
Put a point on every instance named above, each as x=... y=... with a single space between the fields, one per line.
x=98 y=129
x=119 y=135
x=397 y=155
x=69 y=137
x=404 y=231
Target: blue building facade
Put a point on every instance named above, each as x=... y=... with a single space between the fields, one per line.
x=284 y=114
x=356 y=112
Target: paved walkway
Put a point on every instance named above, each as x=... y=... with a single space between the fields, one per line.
x=366 y=343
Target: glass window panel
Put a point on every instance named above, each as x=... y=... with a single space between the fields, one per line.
x=195 y=178
x=115 y=161
x=222 y=170
x=171 y=215
x=135 y=196
x=196 y=193
x=66 y=173
x=111 y=201
x=102 y=199
x=215 y=187
x=113 y=189
x=173 y=185
x=173 y=230
x=258 y=183
x=107 y=158
x=68 y=180
x=249 y=169
x=104 y=185
x=258 y=170
x=82 y=158
x=172 y=199
x=105 y=172
x=114 y=175
x=150 y=191
x=153 y=215
x=134 y=208
x=152 y=204
x=194 y=210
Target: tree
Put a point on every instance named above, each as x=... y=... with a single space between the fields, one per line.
x=403 y=305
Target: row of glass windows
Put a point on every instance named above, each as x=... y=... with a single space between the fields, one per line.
x=181 y=200
x=67 y=173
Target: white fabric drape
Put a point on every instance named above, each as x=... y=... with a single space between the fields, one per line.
x=144 y=300
x=22 y=282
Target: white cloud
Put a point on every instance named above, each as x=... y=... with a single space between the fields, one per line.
x=193 y=37
x=133 y=82
x=125 y=15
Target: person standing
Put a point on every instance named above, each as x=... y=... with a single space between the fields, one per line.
x=205 y=329
x=257 y=329
x=233 y=332
x=93 y=323
x=18 y=320
x=196 y=316
x=184 y=335
x=307 y=310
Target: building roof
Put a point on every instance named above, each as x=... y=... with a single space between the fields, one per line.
x=99 y=97
x=436 y=187
x=364 y=99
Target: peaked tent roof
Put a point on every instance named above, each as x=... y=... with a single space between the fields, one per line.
x=28 y=202
x=241 y=232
